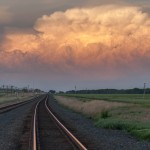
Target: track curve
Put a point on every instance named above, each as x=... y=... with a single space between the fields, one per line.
x=50 y=133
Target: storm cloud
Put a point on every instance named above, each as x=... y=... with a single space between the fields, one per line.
x=106 y=41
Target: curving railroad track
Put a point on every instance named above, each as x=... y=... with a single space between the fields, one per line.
x=49 y=132
x=43 y=130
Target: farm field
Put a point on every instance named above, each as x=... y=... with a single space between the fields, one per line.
x=126 y=98
x=129 y=112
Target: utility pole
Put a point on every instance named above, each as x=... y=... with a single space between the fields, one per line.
x=75 y=89
x=7 y=90
x=144 y=90
x=11 y=88
x=3 y=89
x=33 y=87
x=28 y=89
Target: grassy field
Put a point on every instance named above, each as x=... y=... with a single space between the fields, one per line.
x=11 y=98
x=126 y=98
x=114 y=111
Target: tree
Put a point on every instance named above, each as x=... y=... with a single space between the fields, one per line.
x=61 y=92
x=52 y=91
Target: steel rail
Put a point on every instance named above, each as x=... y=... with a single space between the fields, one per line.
x=35 y=127
x=69 y=134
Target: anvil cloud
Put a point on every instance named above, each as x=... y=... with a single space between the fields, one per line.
x=104 y=42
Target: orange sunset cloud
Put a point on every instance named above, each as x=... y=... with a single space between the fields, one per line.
x=102 y=39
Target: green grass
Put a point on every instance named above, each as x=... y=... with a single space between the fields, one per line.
x=137 y=129
x=105 y=114
x=126 y=98
x=142 y=134
x=133 y=119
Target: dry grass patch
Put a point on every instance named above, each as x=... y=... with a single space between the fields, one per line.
x=88 y=107
x=12 y=98
x=132 y=112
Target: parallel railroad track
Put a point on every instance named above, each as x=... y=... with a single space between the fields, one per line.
x=16 y=105
x=50 y=133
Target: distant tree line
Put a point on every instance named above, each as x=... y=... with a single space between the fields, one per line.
x=52 y=92
x=111 y=91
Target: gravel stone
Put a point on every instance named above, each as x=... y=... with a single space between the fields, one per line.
x=11 y=126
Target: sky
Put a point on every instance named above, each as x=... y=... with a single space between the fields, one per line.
x=60 y=44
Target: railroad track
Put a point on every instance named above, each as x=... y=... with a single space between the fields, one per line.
x=50 y=133
x=16 y=105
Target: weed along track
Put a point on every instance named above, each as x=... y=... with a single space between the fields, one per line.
x=49 y=132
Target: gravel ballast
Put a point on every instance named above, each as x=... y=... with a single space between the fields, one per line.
x=11 y=126
x=97 y=138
